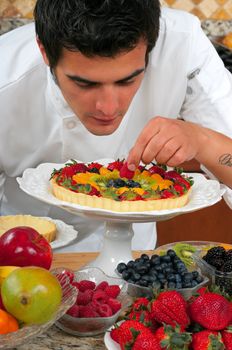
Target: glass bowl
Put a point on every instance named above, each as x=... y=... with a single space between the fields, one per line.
x=94 y=325
x=69 y=295
x=216 y=277
x=135 y=290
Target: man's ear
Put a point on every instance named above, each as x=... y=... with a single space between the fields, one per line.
x=43 y=52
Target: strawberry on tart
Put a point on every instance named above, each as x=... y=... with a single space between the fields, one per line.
x=114 y=187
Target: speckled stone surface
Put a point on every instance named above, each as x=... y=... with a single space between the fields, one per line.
x=56 y=339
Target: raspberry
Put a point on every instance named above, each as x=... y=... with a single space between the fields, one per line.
x=112 y=291
x=69 y=274
x=102 y=285
x=155 y=169
x=104 y=310
x=114 y=304
x=83 y=298
x=100 y=296
x=125 y=172
x=75 y=284
x=73 y=311
x=87 y=311
x=86 y=284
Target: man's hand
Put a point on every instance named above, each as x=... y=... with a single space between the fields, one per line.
x=167 y=141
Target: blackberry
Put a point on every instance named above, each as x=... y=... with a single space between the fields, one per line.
x=227 y=267
x=215 y=253
x=218 y=263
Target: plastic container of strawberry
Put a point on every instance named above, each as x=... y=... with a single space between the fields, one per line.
x=216 y=277
x=91 y=326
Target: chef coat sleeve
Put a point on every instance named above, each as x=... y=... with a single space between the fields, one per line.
x=2 y=181
x=208 y=98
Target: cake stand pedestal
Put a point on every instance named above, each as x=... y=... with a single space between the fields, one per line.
x=116 y=247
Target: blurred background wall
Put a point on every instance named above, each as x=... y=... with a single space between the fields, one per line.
x=204 y=9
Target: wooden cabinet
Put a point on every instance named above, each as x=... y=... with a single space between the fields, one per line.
x=211 y=224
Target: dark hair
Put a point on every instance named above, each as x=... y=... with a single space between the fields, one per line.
x=95 y=27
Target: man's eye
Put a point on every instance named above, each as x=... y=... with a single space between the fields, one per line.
x=125 y=82
x=85 y=85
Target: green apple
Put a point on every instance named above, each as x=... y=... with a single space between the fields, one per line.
x=31 y=294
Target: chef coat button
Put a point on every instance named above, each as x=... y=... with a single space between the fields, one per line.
x=71 y=124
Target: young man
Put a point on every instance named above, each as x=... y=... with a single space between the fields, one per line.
x=106 y=77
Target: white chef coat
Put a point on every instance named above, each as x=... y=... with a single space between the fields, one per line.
x=184 y=78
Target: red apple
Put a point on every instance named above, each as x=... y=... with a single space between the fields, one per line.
x=24 y=246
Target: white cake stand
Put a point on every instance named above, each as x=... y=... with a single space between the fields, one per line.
x=118 y=226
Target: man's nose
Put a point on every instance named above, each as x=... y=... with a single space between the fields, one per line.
x=108 y=100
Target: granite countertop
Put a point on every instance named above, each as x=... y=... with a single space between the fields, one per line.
x=56 y=339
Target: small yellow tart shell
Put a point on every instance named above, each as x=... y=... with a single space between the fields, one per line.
x=46 y=228
x=110 y=204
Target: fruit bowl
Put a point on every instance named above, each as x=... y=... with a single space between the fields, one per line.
x=162 y=270
x=26 y=333
x=90 y=326
x=215 y=274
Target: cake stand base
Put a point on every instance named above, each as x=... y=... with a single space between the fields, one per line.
x=116 y=247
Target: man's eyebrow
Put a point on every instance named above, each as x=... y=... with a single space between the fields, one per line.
x=87 y=81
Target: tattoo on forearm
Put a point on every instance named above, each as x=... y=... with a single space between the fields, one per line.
x=226 y=159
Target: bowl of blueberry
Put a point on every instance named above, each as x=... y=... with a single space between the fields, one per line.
x=163 y=270
x=216 y=264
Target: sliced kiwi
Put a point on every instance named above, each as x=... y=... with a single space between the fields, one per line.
x=185 y=251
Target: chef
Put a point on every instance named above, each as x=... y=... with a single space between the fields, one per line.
x=97 y=80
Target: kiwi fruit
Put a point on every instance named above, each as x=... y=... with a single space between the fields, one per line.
x=185 y=251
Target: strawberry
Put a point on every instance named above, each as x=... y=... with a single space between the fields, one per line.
x=155 y=169
x=114 y=304
x=115 y=165
x=86 y=284
x=171 y=308
x=140 y=304
x=173 y=337
x=227 y=337
x=125 y=172
x=166 y=194
x=174 y=175
x=211 y=310
x=126 y=330
x=112 y=291
x=143 y=316
x=94 y=166
x=146 y=341
x=207 y=339
x=70 y=170
x=178 y=188
x=114 y=333
x=102 y=285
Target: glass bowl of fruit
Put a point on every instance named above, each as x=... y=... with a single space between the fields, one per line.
x=27 y=332
x=101 y=300
x=216 y=264
x=162 y=270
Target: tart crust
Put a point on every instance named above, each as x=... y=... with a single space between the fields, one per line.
x=46 y=228
x=118 y=206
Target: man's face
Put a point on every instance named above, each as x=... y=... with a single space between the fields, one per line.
x=99 y=90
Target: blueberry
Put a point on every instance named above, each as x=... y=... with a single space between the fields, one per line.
x=132 y=183
x=179 y=285
x=171 y=278
x=131 y=263
x=171 y=253
x=121 y=267
x=156 y=285
x=126 y=275
x=187 y=285
x=178 y=277
x=188 y=277
x=171 y=285
x=166 y=258
x=199 y=279
x=118 y=183
x=158 y=268
x=194 y=283
x=136 y=276
x=145 y=257
x=143 y=283
x=155 y=260
x=195 y=274
x=141 y=269
x=163 y=265
x=160 y=275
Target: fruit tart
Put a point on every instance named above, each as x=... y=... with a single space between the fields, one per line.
x=114 y=187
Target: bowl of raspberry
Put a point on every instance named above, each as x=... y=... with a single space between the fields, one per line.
x=100 y=301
